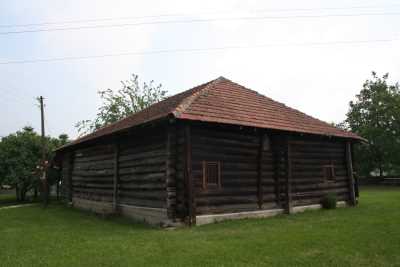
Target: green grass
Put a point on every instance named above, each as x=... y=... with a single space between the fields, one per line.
x=7 y=198
x=368 y=235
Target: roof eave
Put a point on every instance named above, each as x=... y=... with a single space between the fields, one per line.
x=74 y=143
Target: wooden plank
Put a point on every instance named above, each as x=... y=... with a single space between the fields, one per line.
x=142 y=202
x=276 y=152
x=355 y=174
x=352 y=197
x=288 y=177
x=188 y=176
x=116 y=176
x=259 y=171
x=70 y=170
x=94 y=158
x=142 y=148
x=219 y=133
x=140 y=178
x=143 y=169
x=169 y=173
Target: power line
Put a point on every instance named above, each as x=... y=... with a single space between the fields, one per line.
x=328 y=8
x=193 y=14
x=194 y=50
x=196 y=21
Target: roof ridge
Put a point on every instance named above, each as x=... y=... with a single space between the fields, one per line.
x=186 y=102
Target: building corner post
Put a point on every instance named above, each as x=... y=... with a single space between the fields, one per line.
x=350 y=174
x=259 y=170
x=70 y=171
x=170 y=179
x=288 y=164
x=116 y=177
x=191 y=213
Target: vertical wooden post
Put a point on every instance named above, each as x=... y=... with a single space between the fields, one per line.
x=259 y=171
x=349 y=163
x=70 y=171
x=355 y=175
x=170 y=181
x=116 y=176
x=288 y=177
x=188 y=177
x=276 y=155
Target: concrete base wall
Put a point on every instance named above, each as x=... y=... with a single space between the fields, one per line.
x=212 y=218
x=159 y=216
x=340 y=204
x=153 y=216
x=99 y=207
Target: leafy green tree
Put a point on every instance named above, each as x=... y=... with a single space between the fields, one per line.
x=131 y=98
x=375 y=115
x=20 y=156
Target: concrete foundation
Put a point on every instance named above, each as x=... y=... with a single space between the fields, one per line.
x=153 y=216
x=213 y=218
x=159 y=216
x=98 y=207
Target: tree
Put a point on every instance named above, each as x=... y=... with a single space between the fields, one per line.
x=375 y=115
x=20 y=156
x=131 y=98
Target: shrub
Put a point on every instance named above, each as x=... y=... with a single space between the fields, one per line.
x=329 y=201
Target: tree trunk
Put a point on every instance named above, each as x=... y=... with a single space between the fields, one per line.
x=380 y=171
x=22 y=194
x=17 y=195
x=58 y=190
x=35 y=193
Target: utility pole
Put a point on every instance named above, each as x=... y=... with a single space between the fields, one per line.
x=45 y=187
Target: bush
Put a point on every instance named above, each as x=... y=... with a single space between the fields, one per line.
x=329 y=201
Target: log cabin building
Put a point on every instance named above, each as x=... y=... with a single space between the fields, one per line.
x=214 y=152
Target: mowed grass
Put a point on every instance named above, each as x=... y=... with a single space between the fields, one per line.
x=368 y=235
x=7 y=198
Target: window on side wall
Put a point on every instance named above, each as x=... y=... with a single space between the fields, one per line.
x=211 y=174
x=329 y=173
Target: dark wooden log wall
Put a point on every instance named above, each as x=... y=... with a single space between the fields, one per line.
x=290 y=172
x=66 y=170
x=279 y=154
x=239 y=154
x=163 y=168
x=180 y=185
x=270 y=182
x=93 y=173
x=142 y=169
x=170 y=173
x=133 y=169
x=307 y=160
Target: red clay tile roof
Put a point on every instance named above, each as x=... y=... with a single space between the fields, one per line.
x=223 y=101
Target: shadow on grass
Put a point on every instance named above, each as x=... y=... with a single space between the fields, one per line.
x=9 y=199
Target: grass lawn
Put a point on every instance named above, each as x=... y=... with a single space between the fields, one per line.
x=368 y=235
x=7 y=198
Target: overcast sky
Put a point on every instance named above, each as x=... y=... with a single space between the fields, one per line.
x=310 y=55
